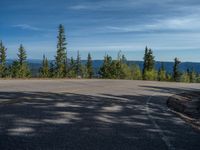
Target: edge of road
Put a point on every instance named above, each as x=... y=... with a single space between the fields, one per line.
x=187 y=106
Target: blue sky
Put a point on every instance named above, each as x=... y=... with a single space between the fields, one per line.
x=170 y=27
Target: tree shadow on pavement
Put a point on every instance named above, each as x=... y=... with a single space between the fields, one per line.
x=52 y=121
x=168 y=89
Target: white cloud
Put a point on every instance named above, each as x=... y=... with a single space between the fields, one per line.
x=187 y=23
x=79 y=7
x=26 y=27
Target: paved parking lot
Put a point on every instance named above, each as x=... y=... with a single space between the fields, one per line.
x=92 y=115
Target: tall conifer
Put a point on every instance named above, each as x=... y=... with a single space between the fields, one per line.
x=61 y=53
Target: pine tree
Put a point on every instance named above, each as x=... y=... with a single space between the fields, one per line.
x=136 y=72
x=14 y=69
x=145 y=62
x=78 y=65
x=20 y=67
x=149 y=73
x=185 y=77
x=52 y=69
x=61 y=56
x=162 y=73
x=150 y=60
x=176 y=72
x=21 y=55
x=193 y=76
x=44 y=70
x=3 y=68
x=89 y=66
x=72 y=64
x=106 y=69
x=72 y=68
x=124 y=60
x=116 y=66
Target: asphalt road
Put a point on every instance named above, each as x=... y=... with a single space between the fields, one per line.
x=92 y=115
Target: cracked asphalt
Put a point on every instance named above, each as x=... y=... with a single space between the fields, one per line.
x=92 y=115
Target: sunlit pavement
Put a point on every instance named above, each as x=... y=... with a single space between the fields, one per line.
x=92 y=115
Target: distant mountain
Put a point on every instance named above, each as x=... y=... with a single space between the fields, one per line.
x=35 y=64
x=168 y=65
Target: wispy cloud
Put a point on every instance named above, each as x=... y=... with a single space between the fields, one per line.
x=26 y=27
x=186 y=23
x=80 y=7
x=89 y=6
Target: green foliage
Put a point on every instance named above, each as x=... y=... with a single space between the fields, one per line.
x=72 y=69
x=106 y=69
x=185 y=77
x=21 y=55
x=61 y=58
x=136 y=72
x=111 y=69
x=44 y=70
x=198 y=78
x=52 y=70
x=125 y=72
x=89 y=66
x=115 y=69
x=20 y=67
x=151 y=75
x=169 y=77
x=3 y=69
x=20 y=71
x=149 y=72
x=193 y=76
x=78 y=65
x=124 y=60
x=162 y=73
x=84 y=71
x=176 y=72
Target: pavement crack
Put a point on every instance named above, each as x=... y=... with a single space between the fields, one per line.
x=161 y=132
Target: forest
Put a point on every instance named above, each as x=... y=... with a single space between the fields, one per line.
x=65 y=67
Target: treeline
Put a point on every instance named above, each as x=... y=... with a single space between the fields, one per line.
x=120 y=69
x=63 y=67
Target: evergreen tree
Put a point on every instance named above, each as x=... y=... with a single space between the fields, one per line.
x=136 y=72
x=66 y=68
x=44 y=70
x=115 y=69
x=61 y=58
x=198 y=78
x=20 y=67
x=22 y=55
x=176 y=72
x=72 y=69
x=52 y=69
x=150 y=60
x=149 y=73
x=169 y=77
x=78 y=65
x=3 y=68
x=89 y=66
x=72 y=64
x=106 y=70
x=193 y=76
x=185 y=77
x=145 y=62
x=124 y=60
x=15 y=69
x=162 y=73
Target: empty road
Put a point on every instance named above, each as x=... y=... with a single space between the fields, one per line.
x=92 y=115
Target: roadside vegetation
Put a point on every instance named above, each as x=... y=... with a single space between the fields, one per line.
x=65 y=67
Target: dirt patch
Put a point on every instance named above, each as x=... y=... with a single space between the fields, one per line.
x=187 y=106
